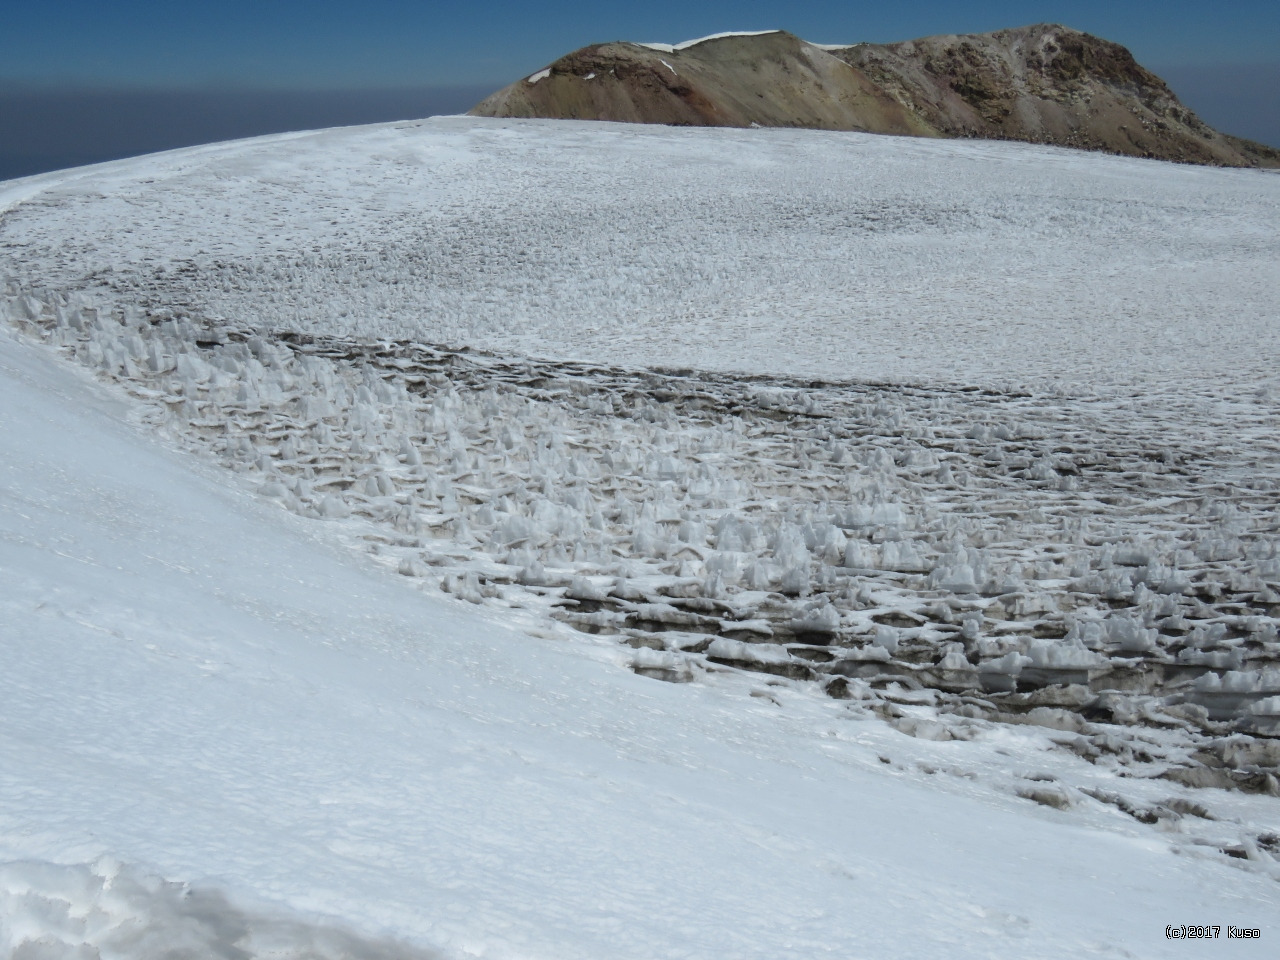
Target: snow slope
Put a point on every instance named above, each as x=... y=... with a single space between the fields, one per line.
x=197 y=683
x=772 y=251
x=200 y=686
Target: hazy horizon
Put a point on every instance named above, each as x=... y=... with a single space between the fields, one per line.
x=49 y=128
x=71 y=127
x=82 y=82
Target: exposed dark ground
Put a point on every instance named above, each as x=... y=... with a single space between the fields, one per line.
x=1043 y=83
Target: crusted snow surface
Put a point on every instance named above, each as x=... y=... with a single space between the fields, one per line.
x=810 y=253
x=88 y=911
x=1037 y=566
x=225 y=736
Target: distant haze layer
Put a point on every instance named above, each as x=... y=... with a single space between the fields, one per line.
x=44 y=129
x=49 y=129
x=1240 y=99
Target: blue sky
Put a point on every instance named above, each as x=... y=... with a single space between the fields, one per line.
x=84 y=81
x=384 y=43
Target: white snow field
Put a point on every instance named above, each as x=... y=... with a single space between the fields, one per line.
x=784 y=252
x=359 y=490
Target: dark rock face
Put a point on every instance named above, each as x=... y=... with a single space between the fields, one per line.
x=1040 y=84
x=773 y=80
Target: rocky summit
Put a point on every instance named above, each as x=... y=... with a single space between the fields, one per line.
x=1041 y=84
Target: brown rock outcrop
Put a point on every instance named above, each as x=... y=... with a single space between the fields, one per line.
x=1042 y=84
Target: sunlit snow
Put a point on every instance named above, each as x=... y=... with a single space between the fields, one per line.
x=937 y=479
x=673 y=47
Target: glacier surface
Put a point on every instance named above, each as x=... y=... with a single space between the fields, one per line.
x=939 y=477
